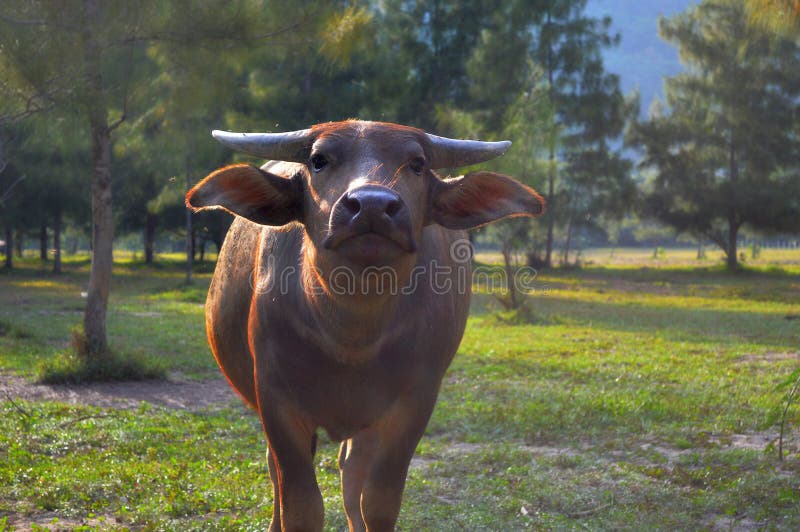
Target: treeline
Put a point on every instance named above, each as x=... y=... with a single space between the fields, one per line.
x=106 y=108
x=148 y=81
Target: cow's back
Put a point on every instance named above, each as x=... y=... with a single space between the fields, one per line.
x=228 y=306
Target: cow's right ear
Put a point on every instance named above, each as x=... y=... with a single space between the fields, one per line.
x=247 y=191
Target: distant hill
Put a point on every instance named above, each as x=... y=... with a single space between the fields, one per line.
x=642 y=59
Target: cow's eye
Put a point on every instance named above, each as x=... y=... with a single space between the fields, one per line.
x=417 y=164
x=318 y=162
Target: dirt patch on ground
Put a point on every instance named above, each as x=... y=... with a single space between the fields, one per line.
x=770 y=356
x=174 y=393
x=55 y=523
x=652 y=453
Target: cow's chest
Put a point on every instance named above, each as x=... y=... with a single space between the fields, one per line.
x=344 y=398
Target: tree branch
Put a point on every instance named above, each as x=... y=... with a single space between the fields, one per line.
x=120 y=120
x=178 y=38
x=39 y=100
x=35 y=103
x=7 y=194
x=716 y=238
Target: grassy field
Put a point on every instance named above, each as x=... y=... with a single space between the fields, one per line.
x=644 y=396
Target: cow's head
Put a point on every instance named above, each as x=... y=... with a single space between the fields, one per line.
x=365 y=190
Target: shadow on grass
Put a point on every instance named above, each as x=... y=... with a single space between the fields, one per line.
x=678 y=275
x=727 y=327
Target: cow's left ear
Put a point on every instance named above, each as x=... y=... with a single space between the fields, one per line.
x=479 y=198
x=247 y=191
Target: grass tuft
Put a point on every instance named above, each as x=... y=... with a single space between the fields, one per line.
x=10 y=330
x=74 y=367
x=523 y=315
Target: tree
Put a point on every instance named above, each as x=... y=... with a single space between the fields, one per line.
x=553 y=50
x=521 y=121
x=725 y=149
x=11 y=185
x=84 y=55
x=589 y=111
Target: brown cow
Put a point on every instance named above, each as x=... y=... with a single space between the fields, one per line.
x=339 y=297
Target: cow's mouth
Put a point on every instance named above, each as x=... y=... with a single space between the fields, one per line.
x=370 y=224
x=369 y=245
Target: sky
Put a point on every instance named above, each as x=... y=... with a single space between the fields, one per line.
x=642 y=59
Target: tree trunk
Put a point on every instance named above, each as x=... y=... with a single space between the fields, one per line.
x=19 y=242
x=57 y=242
x=551 y=220
x=9 y=246
x=512 y=287
x=551 y=177
x=733 y=222
x=150 y=224
x=202 y=249
x=565 y=259
x=43 y=242
x=731 y=251
x=189 y=229
x=94 y=320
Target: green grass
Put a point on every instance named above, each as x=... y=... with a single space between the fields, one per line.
x=640 y=398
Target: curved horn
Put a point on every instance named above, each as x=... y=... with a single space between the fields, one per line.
x=451 y=153
x=291 y=146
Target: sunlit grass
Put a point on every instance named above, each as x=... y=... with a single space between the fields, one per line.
x=41 y=283
x=787 y=259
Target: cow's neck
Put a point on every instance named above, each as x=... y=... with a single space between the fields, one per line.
x=349 y=324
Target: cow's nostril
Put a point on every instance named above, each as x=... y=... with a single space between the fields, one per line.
x=351 y=204
x=393 y=207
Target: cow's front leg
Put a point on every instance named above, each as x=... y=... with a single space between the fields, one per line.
x=290 y=439
x=355 y=460
x=397 y=435
x=275 y=524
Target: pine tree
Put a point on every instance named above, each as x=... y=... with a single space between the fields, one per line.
x=726 y=147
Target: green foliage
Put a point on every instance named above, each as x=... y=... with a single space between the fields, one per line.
x=346 y=34
x=169 y=197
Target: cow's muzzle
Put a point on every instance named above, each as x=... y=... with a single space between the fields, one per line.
x=369 y=221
